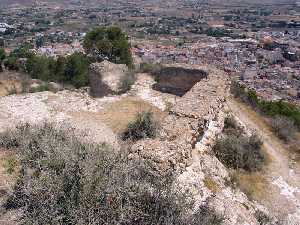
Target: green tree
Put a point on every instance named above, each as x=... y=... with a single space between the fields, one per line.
x=41 y=67
x=2 y=57
x=11 y=63
x=60 y=68
x=76 y=70
x=39 y=42
x=2 y=54
x=108 y=43
x=23 y=51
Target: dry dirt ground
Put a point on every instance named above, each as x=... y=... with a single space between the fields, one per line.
x=278 y=186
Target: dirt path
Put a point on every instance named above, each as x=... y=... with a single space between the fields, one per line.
x=282 y=194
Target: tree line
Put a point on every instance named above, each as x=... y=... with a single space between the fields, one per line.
x=99 y=44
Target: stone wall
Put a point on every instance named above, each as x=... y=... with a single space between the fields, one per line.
x=186 y=122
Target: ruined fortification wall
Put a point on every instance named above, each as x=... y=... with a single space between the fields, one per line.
x=186 y=122
x=185 y=144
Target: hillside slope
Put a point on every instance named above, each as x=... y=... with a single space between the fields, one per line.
x=282 y=175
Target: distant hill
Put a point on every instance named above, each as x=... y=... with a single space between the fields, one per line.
x=28 y=2
x=226 y=2
x=11 y=2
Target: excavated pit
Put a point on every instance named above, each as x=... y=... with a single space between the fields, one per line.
x=177 y=80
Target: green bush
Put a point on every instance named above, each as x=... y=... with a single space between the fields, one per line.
x=142 y=127
x=65 y=181
x=240 y=152
x=22 y=51
x=41 y=67
x=11 y=63
x=72 y=69
x=2 y=54
x=76 y=70
x=281 y=108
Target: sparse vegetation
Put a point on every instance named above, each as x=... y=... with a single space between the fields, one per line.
x=11 y=164
x=12 y=90
x=231 y=127
x=40 y=88
x=150 y=68
x=262 y=218
x=254 y=184
x=65 y=181
x=211 y=184
x=238 y=151
x=169 y=106
x=283 y=127
x=144 y=126
x=268 y=108
x=126 y=82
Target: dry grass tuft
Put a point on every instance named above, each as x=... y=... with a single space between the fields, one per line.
x=211 y=184
x=117 y=115
x=254 y=185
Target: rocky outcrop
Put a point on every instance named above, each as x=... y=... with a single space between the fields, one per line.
x=105 y=78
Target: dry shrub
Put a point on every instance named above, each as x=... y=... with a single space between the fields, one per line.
x=126 y=82
x=65 y=181
x=283 y=127
x=144 y=126
x=211 y=184
x=254 y=185
x=237 y=150
x=240 y=152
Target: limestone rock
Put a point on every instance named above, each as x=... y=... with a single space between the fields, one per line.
x=105 y=77
x=55 y=87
